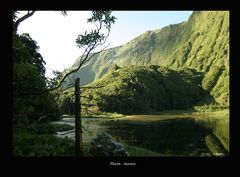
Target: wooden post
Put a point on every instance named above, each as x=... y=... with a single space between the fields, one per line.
x=78 y=122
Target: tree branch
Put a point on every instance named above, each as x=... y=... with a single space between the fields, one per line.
x=72 y=82
x=86 y=59
x=87 y=56
x=21 y=19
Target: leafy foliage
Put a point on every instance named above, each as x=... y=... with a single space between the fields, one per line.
x=32 y=97
x=27 y=79
x=30 y=102
x=142 y=89
x=104 y=17
x=27 y=143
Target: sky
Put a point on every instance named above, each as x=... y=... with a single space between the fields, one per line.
x=56 y=34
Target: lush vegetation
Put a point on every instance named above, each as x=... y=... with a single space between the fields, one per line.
x=35 y=96
x=31 y=102
x=201 y=43
x=179 y=67
x=40 y=141
x=144 y=89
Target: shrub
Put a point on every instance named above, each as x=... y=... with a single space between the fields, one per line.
x=28 y=144
x=103 y=145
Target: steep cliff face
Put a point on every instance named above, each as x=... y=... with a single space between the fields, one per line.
x=201 y=43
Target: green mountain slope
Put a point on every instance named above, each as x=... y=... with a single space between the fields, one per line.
x=132 y=89
x=201 y=43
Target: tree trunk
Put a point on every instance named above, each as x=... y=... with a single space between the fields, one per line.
x=78 y=123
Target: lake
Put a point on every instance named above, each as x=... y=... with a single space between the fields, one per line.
x=167 y=135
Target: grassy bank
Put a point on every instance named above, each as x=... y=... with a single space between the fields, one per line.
x=39 y=140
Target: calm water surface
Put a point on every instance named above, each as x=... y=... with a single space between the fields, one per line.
x=168 y=134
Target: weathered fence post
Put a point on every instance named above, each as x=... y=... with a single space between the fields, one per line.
x=78 y=122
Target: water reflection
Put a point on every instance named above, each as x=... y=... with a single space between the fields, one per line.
x=166 y=135
x=176 y=136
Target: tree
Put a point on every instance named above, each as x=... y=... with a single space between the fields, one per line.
x=90 y=41
x=28 y=77
x=102 y=20
x=29 y=83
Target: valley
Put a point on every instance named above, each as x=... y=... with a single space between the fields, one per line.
x=179 y=67
x=201 y=44
x=165 y=93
